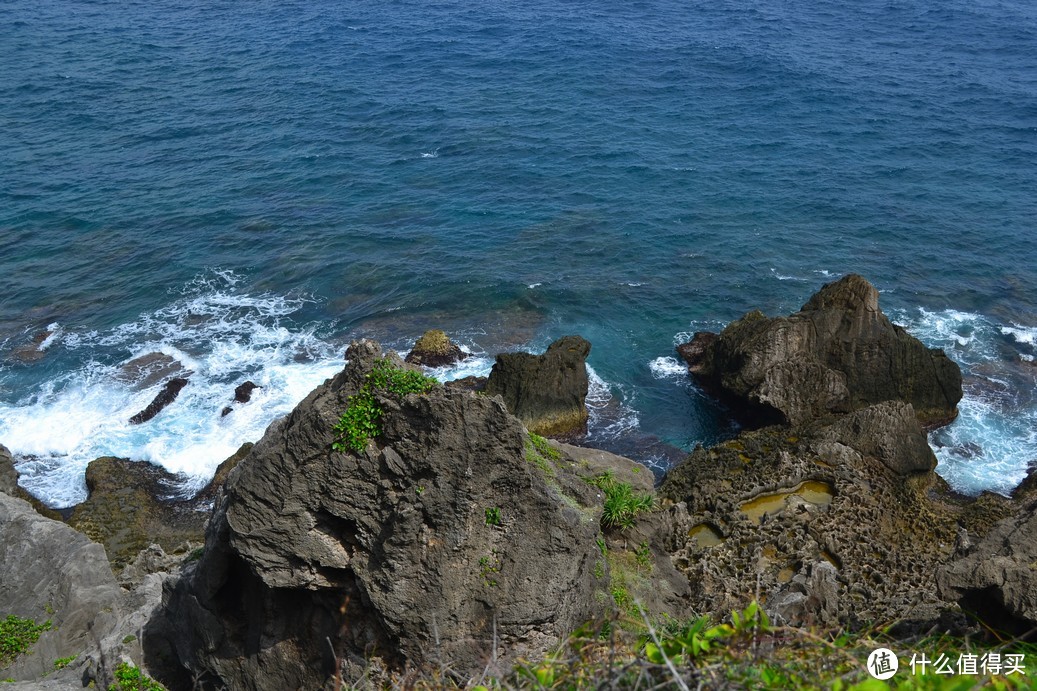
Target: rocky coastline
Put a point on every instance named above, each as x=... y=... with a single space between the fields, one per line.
x=391 y=524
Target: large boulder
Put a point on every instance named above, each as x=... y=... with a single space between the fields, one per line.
x=837 y=354
x=546 y=392
x=131 y=505
x=437 y=541
x=435 y=349
x=994 y=578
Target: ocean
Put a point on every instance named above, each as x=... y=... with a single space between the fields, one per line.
x=245 y=188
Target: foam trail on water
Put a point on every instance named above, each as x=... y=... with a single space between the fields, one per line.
x=667 y=367
x=993 y=442
x=217 y=337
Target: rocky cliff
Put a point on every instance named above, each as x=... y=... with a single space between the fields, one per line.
x=437 y=540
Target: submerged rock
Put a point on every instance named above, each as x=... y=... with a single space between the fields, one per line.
x=132 y=504
x=839 y=353
x=167 y=395
x=546 y=392
x=242 y=394
x=439 y=540
x=434 y=349
x=149 y=369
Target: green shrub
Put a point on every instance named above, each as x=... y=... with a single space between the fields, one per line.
x=129 y=678
x=622 y=505
x=361 y=420
x=17 y=635
x=63 y=662
x=493 y=516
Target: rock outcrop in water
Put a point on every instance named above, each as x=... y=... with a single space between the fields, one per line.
x=438 y=541
x=170 y=390
x=837 y=354
x=548 y=392
x=435 y=349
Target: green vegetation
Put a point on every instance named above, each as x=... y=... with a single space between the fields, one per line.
x=747 y=652
x=17 y=635
x=128 y=639
x=489 y=567
x=622 y=505
x=433 y=341
x=361 y=421
x=194 y=555
x=643 y=556
x=129 y=678
x=493 y=516
x=541 y=454
x=63 y=662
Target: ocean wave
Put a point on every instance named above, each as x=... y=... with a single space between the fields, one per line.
x=666 y=367
x=217 y=338
x=993 y=442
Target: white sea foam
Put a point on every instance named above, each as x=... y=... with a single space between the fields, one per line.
x=666 y=367
x=221 y=337
x=1021 y=334
x=994 y=439
x=786 y=277
x=610 y=417
x=434 y=153
x=535 y=285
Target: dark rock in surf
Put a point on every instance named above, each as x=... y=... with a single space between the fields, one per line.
x=243 y=392
x=839 y=353
x=167 y=395
x=548 y=392
x=435 y=349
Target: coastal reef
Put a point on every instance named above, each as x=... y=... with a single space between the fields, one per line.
x=391 y=525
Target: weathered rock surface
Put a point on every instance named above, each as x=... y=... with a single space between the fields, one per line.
x=839 y=353
x=994 y=578
x=8 y=475
x=131 y=505
x=840 y=521
x=48 y=571
x=435 y=349
x=546 y=392
x=440 y=541
x=170 y=390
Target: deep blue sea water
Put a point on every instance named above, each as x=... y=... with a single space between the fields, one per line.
x=248 y=186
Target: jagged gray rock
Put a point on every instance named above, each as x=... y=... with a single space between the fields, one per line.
x=8 y=475
x=994 y=578
x=839 y=353
x=546 y=392
x=48 y=571
x=439 y=541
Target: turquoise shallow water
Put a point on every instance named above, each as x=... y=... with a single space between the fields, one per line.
x=246 y=188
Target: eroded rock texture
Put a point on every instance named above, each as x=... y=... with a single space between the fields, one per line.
x=546 y=392
x=839 y=353
x=439 y=542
